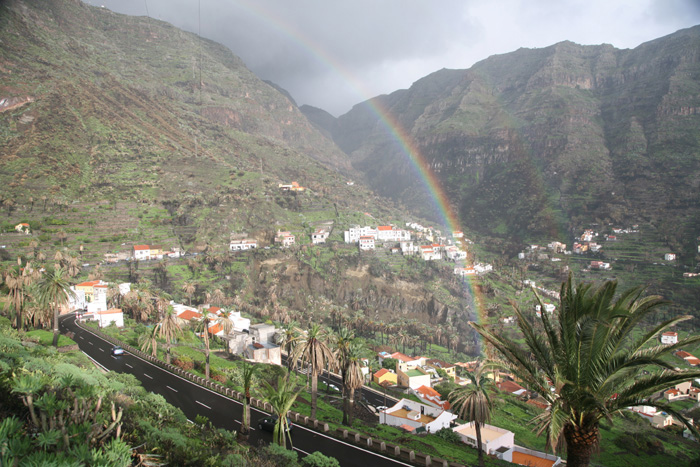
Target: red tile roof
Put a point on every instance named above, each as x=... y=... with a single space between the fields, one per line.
x=509 y=386
x=670 y=333
x=384 y=227
x=88 y=284
x=141 y=247
x=217 y=328
x=683 y=354
x=381 y=373
x=402 y=357
x=189 y=315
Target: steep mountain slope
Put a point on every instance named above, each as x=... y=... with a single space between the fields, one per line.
x=96 y=104
x=538 y=142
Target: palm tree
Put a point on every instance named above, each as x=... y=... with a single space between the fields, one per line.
x=288 y=339
x=353 y=379
x=342 y=342
x=53 y=291
x=169 y=329
x=248 y=371
x=189 y=288
x=205 y=335
x=588 y=363
x=281 y=399
x=472 y=403
x=313 y=351
x=149 y=341
x=16 y=283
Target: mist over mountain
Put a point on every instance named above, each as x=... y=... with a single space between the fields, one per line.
x=539 y=142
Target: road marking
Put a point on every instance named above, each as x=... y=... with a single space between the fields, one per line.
x=128 y=365
x=148 y=376
x=82 y=337
x=90 y=343
x=172 y=389
x=95 y=362
x=317 y=433
x=101 y=350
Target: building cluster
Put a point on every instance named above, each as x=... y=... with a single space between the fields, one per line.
x=148 y=252
x=89 y=300
x=431 y=414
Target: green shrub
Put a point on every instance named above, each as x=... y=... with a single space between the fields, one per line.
x=317 y=459
x=448 y=435
x=279 y=455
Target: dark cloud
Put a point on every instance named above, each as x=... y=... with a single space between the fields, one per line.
x=334 y=54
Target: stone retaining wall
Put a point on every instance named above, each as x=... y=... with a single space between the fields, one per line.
x=348 y=436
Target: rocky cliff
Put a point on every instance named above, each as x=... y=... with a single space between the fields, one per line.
x=541 y=141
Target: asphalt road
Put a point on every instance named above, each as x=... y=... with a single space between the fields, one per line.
x=223 y=412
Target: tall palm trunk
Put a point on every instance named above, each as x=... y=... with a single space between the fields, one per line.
x=477 y=428
x=351 y=406
x=314 y=391
x=580 y=444
x=55 y=328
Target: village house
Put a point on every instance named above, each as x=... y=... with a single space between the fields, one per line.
x=366 y=243
x=689 y=358
x=492 y=438
x=430 y=397
x=448 y=368
x=294 y=186
x=430 y=252
x=243 y=245
x=353 y=234
x=463 y=272
x=507 y=319
x=320 y=235
x=141 y=252
x=556 y=247
x=454 y=253
x=258 y=344
x=416 y=415
x=548 y=307
x=611 y=238
x=599 y=265
x=185 y=315
x=385 y=377
x=408 y=248
x=669 y=337
x=670 y=257
x=511 y=387
x=411 y=376
x=457 y=234
x=23 y=228
x=387 y=233
x=108 y=317
x=285 y=238
x=482 y=268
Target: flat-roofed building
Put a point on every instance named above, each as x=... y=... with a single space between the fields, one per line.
x=492 y=437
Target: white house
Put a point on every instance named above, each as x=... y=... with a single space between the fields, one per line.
x=492 y=437
x=320 y=235
x=430 y=252
x=285 y=238
x=242 y=245
x=387 y=233
x=415 y=414
x=141 y=252
x=463 y=272
x=366 y=243
x=454 y=253
x=239 y=323
x=107 y=317
x=408 y=248
x=670 y=256
x=23 y=228
x=669 y=338
x=353 y=234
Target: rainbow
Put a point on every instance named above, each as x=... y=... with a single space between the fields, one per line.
x=393 y=127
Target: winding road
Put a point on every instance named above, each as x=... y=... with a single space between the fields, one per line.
x=222 y=411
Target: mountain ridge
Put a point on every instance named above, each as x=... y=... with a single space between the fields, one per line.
x=538 y=142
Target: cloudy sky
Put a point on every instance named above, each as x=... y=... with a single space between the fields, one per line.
x=334 y=54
